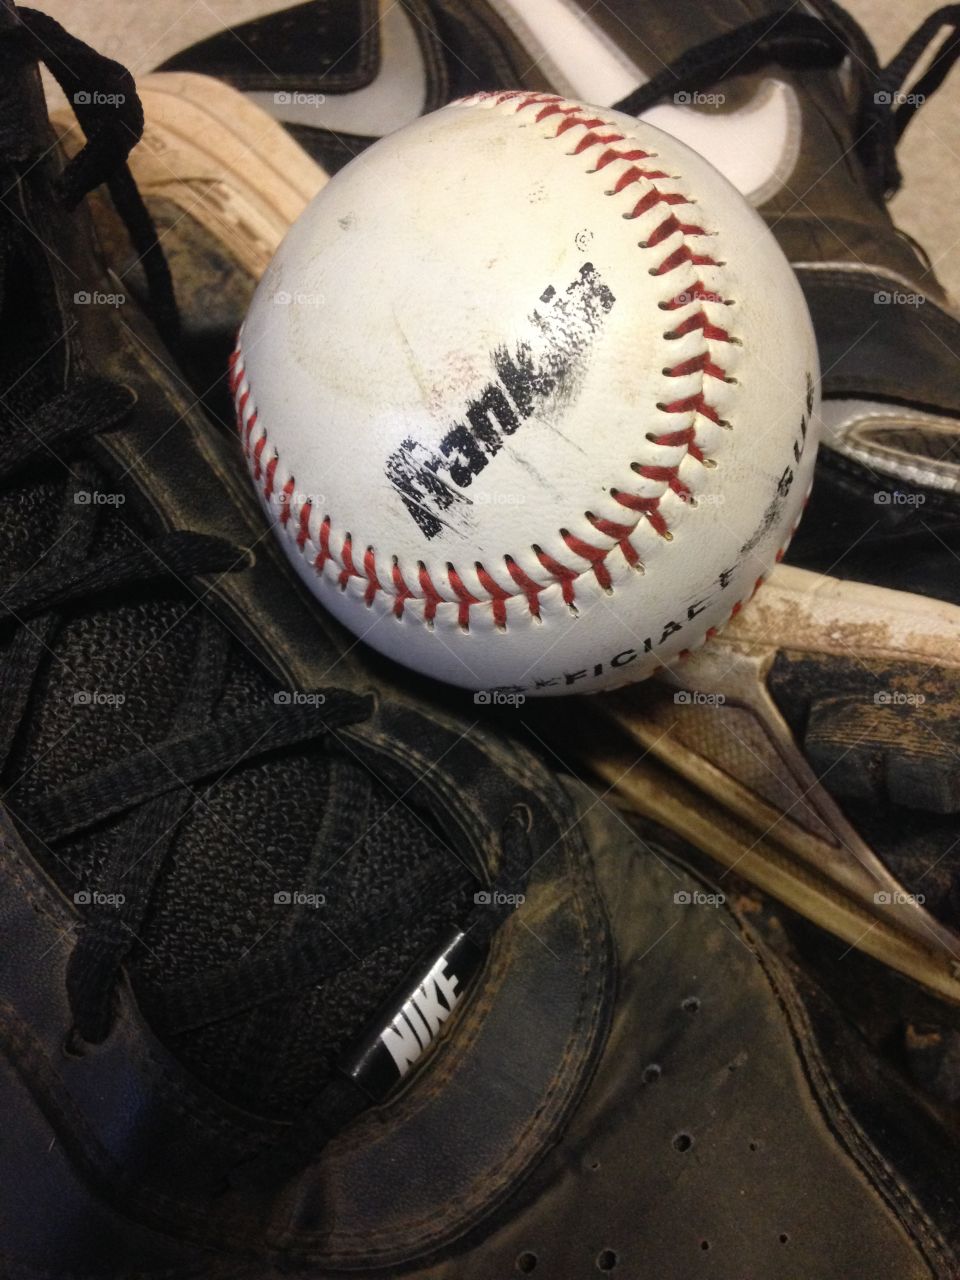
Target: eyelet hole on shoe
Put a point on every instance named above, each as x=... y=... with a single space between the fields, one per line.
x=607 y=1259
x=652 y=1073
x=527 y=1262
x=682 y=1142
x=691 y=1004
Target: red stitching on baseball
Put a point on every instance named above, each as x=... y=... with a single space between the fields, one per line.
x=697 y=404
x=499 y=596
x=346 y=558
x=681 y=255
x=612 y=154
x=566 y=577
x=572 y=116
x=271 y=471
x=631 y=176
x=697 y=364
x=257 y=454
x=403 y=591
x=463 y=595
x=323 y=555
x=303 y=532
x=430 y=594
x=530 y=589
x=285 y=495
x=592 y=139
x=370 y=570
x=668 y=227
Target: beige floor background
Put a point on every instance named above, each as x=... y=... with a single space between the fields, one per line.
x=142 y=36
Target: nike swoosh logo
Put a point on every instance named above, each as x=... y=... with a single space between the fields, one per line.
x=755 y=146
x=397 y=96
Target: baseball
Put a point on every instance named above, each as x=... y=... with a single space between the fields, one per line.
x=529 y=395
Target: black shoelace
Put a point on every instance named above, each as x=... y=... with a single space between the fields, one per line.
x=150 y=791
x=798 y=40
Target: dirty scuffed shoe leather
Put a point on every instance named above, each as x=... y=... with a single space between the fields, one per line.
x=633 y=1081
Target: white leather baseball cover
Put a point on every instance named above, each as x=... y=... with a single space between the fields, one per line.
x=529 y=393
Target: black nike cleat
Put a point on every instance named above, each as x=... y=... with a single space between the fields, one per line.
x=306 y=972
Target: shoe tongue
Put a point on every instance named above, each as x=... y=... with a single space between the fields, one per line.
x=249 y=866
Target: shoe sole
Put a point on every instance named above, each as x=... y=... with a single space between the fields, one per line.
x=719 y=764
